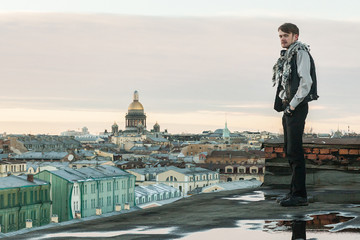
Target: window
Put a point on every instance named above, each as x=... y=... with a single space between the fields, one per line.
x=85 y=189
x=46 y=194
x=31 y=197
x=36 y=196
x=9 y=199
x=109 y=186
x=11 y=218
x=25 y=198
x=19 y=198
x=171 y=179
x=85 y=204
x=108 y=201
x=13 y=199
x=22 y=217
x=33 y=215
x=101 y=202
x=92 y=203
x=1 y=201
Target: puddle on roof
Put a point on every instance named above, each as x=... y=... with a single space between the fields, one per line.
x=110 y=234
x=246 y=198
x=331 y=226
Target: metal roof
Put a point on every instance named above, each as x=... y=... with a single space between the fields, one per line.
x=153 y=189
x=41 y=155
x=89 y=173
x=13 y=181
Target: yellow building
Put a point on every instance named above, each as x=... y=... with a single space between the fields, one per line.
x=185 y=179
x=188 y=179
x=13 y=167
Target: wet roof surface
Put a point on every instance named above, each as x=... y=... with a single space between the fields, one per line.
x=251 y=214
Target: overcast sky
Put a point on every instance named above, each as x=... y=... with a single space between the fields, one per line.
x=196 y=64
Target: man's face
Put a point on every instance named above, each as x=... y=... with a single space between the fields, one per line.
x=286 y=39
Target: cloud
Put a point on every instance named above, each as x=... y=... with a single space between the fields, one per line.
x=205 y=66
x=262 y=105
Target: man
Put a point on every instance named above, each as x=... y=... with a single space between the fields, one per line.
x=295 y=75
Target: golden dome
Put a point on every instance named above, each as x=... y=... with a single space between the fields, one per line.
x=135 y=105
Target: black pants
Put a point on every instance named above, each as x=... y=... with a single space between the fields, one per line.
x=293 y=133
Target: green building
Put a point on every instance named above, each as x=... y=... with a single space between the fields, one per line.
x=23 y=198
x=82 y=191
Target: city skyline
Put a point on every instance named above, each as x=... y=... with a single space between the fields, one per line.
x=69 y=67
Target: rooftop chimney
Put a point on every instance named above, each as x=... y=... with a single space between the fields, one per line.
x=30 y=178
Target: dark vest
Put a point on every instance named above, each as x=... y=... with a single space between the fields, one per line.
x=294 y=82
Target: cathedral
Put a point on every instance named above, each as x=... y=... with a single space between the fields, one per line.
x=135 y=119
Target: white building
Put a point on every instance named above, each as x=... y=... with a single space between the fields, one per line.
x=146 y=195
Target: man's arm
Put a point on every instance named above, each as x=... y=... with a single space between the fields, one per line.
x=303 y=69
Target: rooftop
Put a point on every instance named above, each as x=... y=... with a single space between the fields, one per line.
x=321 y=141
x=153 y=189
x=89 y=173
x=249 y=213
x=13 y=181
x=41 y=155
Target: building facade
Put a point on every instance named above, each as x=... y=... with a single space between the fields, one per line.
x=188 y=179
x=23 y=198
x=81 y=192
x=12 y=167
x=185 y=179
x=246 y=171
x=145 y=195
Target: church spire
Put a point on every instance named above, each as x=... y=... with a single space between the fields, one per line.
x=136 y=96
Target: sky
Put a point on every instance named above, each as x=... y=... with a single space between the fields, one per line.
x=196 y=64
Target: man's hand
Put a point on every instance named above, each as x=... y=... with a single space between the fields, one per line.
x=289 y=111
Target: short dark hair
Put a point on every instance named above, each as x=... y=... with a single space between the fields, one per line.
x=289 y=28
